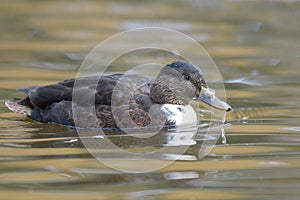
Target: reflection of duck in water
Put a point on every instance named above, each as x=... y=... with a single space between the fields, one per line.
x=175 y=86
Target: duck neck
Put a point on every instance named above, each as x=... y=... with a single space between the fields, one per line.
x=160 y=94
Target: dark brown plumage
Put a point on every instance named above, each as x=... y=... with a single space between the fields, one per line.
x=177 y=83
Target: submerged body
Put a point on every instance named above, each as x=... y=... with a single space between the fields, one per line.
x=118 y=100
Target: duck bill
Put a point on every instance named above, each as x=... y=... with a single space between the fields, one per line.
x=208 y=96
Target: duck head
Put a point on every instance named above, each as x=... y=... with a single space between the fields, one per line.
x=181 y=82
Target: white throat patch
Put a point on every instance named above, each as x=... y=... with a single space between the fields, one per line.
x=185 y=119
x=180 y=114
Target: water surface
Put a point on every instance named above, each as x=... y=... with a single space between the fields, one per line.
x=255 y=44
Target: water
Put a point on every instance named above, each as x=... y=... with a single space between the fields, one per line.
x=254 y=44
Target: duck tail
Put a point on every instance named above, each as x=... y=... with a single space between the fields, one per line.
x=19 y=106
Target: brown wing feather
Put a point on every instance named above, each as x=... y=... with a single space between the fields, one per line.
x=53 y=103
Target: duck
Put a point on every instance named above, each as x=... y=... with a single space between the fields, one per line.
x=119 y=99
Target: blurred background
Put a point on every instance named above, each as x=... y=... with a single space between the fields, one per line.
x=256 y=46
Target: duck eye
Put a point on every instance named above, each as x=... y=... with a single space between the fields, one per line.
x=186 y=77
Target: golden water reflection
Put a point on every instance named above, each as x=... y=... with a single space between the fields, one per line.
x=255 y=46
